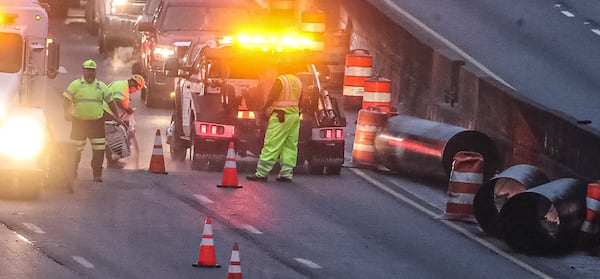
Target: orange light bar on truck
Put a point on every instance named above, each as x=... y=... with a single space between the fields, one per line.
x=7 y=19
x=269 y=42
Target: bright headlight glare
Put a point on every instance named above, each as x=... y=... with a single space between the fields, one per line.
x=21 y=137
x=164 y=51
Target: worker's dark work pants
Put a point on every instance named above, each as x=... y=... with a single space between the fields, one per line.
x=81 y=130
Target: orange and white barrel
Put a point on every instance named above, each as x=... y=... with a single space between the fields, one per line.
x=282 y=12
x=592 y=201
x=465 y=179
x=377 y=93
x=358 y=69
x=368 y=123
x=312 y=24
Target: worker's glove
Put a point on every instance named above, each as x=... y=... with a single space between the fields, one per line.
x=130 y=111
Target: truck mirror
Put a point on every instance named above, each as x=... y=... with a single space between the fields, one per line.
x=171 y=67
x=53 y=58
x=145 y=26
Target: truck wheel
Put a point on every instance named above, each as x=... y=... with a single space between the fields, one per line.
x=178 y=150
x=333 y=170
x=315 y=169
x=216 y=165
x=90 y=12
x=150 y=100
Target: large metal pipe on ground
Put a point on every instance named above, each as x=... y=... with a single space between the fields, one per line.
x=426 y=148
x=546 y=218
x=494 y=193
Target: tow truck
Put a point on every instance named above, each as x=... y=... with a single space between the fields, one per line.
x=28 y=56
x=222 y=86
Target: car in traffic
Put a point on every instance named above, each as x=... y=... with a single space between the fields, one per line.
x=113 y=21
x=175 y=24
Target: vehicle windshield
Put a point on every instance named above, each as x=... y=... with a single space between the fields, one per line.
x=204 y=19
x=151 y=6
x=11 y=48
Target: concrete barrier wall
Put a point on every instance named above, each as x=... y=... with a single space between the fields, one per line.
x=430 y=81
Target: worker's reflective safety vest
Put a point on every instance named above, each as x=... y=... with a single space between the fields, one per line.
x=289 y=96
x=120 y=90
x=87 y=98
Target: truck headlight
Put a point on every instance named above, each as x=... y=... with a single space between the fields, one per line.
x=164 y=52
x=117 y=6
x=21 y=137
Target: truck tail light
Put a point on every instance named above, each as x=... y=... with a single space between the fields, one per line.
x=332 y=134
x=215 y=130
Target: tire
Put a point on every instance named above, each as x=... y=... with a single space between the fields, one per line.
x=150 y=100
x=216 y=165
x=90 y=12
x=315 y=169
x=197 y=163
x=333 y=170
x=178 y=150
x=105 y=46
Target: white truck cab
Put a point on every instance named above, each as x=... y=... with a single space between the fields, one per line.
x=28 y=57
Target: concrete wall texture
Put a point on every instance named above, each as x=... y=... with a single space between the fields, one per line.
x=432 y=82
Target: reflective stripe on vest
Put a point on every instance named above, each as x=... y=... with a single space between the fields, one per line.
x=291 y=92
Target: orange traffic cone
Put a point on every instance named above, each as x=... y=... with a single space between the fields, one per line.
x=206 y=256
x=230 y=178
x=157 y=162
x=235 y=268
x=243 y=105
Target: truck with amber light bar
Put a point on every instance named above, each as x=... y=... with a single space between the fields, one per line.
x=221 y=89
x=28 y=55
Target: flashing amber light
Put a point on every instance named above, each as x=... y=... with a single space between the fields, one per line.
x=270 y=42
x=38 y=17
x=172 y=95
x=7 y=19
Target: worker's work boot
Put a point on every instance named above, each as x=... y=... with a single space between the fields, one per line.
x=114 y=164
x=284 y=179
x=98 y=179
x=254 y=177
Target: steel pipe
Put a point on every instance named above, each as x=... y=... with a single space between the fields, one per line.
x=423 y=147
x=494 y=193
x=545 y=218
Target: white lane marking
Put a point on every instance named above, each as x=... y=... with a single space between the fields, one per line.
x=82 y=261
x=252 y=229
x=308 y=263
x=446 y=42
x=203 y=199
x=34 y=228
x=567 y=13
x=596 y=31
x=450 y=224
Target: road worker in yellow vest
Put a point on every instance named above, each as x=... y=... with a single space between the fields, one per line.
x=120 y=91
x=83 y=106
x=281 y=138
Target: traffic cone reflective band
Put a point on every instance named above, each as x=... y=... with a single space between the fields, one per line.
x=206 y=256
x=243 y=105
x=465 y=179
x=157 y=161
x=230 y=178
x=590 y=225
x=235 y=268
